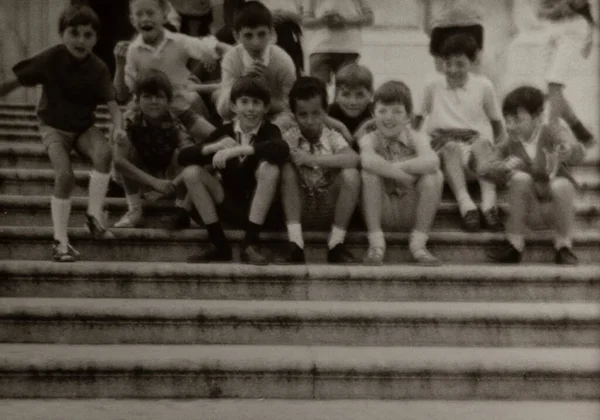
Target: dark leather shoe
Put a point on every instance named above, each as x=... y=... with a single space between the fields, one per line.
x=251 y=255
x=211 y=254
x=564 y=256
x=491 y=220
x=505 y=253
x=340 y=255
x=293 y=255
x=471 y=222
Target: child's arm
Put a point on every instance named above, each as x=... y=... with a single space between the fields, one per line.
x=426 y=107
x=117 y=120
x=8 y=86
x=206 y=87
x=426 y=161
x=231 y=70
x=345 y=158
x=491 y=106
x=122 y=163
x=372 y=162
x=498 y=168
x=286 y=76
x=120 y=52
x=340 y=127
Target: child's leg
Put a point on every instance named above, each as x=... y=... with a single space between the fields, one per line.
x=267 y=181
x=372 y=196
x=64 y=180
x=205 y=191
x=94 y=145
x=292 y=203
x=429 y=188
x=520 y=196
x=481 y=153
x=346 y=202
x=563 y=198
x=452 y=162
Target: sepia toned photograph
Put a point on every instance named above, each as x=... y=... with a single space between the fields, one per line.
x=300 y=209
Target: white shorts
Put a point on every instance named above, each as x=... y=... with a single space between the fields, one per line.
x=562 y=54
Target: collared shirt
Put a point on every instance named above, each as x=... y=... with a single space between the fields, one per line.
x=171 y=56
x=531 y=145
x=245 y=138
x=330 y=142
x=472 y=106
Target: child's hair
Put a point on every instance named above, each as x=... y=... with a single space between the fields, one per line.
x=306 y=88
x=460 y=44
x=251 y=86
x=354 y=76
x=252 y=14
x=78 y=15
x=153 y=82
x=163 y=4
x=529 y=98
x=394 y=92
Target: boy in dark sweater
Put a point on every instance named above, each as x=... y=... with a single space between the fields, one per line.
x=235 y=174
x=353 y=96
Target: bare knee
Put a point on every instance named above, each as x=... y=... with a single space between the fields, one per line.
x=562 y=188
x=267 y=173
x=351 y=178
x=520 y=181
x=102 y=158
x=450 y=150
x=429 y=181
x=369 y=178
x=288 y=172
x=64 y=179
x=193 y=174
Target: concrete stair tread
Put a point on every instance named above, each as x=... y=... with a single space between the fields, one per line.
x=277 y=311
x=248 y=358
x=590 y=236
x=272 y=409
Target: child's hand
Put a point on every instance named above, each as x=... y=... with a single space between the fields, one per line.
x=552 y=163
x=227 y=143
x=118 y=136
x=164 y=186
x=222 y=156
x=120 y=52
x=257 y=68
x=301 y=158
x=515 y=163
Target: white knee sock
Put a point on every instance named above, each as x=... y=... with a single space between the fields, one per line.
x=562 y=242
x=337 y=237
x=518 y=241
x=97 y=193
x=295 y=234
x=61 y=210
x=465 y=202
x=418 y=241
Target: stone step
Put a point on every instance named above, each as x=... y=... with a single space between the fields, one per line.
x=143 y=321
x=298 y=372
x=17 y=181
x=28 y=125
x=34 y=243
x=271 y=409
x=391 y=283
x=19 y=210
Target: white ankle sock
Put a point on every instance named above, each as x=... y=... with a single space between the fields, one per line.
x=418 y=241
x=376 y=239
x=465 y=203
x=518 y=241
x=61 y=210
x=562 y=242
x=295 y=234
x=97 y=193
x=488 y=195
x=336 y=237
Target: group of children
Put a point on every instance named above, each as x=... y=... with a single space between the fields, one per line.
x=282 y=144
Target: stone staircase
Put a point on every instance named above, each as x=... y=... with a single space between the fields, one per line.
x=131 y=320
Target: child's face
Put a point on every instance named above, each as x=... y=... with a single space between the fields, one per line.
x=148 y=18
x=249 y=111
x=521 y=125
x=310 y=116
x=153 y=106
x=254 y=40
x=390 y=119
x=79 y=40
x=353 y=101
x=456 y=68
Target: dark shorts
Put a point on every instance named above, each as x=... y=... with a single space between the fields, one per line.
x=439 y=36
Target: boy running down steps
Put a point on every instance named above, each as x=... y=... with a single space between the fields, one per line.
x=74 y=81
x=235 y=175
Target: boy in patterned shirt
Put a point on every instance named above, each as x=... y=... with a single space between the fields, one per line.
x=320 y=187
x=401 y=180
x=147 y=157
